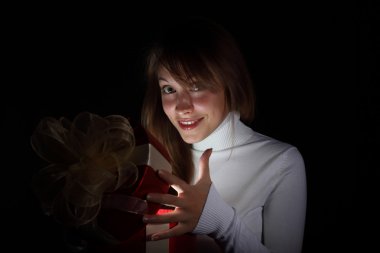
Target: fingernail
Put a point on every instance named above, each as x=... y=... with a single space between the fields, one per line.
x=148 y=197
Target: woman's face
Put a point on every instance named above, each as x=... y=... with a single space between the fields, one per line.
x=194 y=112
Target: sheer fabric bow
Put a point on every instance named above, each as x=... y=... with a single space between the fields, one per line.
x=87 y=157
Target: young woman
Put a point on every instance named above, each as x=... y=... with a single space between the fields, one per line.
x=238 y=190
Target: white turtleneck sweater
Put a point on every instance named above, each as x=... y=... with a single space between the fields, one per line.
x=257 y=200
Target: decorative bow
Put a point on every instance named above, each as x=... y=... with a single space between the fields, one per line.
x=88 y=157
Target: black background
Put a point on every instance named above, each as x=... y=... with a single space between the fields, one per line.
x=314 y=72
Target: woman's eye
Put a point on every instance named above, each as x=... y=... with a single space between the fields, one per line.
x=167 y=89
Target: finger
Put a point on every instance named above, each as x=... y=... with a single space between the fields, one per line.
x=177 y=183
x=204 y=171
x=175 y=231
x=162 y=218
x=166 y=199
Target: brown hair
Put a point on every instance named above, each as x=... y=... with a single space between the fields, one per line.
x=195 y=49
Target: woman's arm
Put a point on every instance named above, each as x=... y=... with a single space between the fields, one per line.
x=220 y=221
x=283 y=215
x=201 y=210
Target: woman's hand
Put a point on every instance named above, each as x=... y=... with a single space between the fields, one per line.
x=188 y=204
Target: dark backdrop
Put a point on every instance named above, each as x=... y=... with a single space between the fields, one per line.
x=314 y=74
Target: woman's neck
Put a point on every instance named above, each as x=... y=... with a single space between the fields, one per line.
x=222 y=137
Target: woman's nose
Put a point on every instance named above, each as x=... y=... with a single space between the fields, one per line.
x=184 y=103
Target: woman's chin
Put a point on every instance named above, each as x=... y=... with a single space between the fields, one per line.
x=191 y=139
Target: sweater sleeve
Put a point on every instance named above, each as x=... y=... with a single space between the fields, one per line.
x=283 y=215
x=285 y=209
x=221 y=222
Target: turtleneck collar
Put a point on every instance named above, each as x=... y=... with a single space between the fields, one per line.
x=231 y=132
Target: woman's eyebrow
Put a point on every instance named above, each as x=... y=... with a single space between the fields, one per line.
x=162 y=79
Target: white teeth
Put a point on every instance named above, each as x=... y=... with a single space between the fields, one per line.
x=187 y=122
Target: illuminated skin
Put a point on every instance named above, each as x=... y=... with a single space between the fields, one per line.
x=194 y=112
x=188 y=203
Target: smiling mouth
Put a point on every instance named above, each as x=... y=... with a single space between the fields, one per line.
x=187 y=124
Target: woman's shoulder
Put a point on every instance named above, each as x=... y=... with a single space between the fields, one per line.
x=269 y=150
x=268 y=145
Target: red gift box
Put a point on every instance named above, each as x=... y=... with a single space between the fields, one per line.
x=122 y=211
x=88 y=186
x=119 y=222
